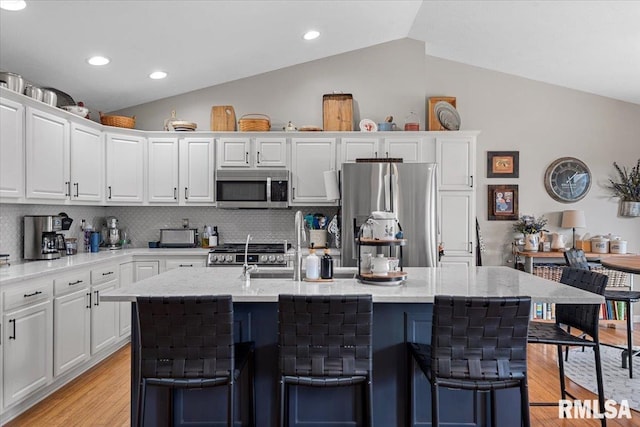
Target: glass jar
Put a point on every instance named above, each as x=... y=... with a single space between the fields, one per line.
x=72 y=246
x=412 y=122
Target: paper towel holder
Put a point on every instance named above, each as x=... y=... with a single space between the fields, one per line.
x=331 y=185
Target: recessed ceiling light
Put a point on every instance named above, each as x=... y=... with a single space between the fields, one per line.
x=157 y=75
x=98 y=60
x=310 y=35
x=13 y=4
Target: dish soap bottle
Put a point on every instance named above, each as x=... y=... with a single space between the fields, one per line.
x=213 y=238
x=313 y=265
x=326 y=265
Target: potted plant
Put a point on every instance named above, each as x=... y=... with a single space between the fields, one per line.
x=627 y=188
x=530 y=227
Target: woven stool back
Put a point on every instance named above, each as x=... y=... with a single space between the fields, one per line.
x=582 y=316
x=478 y=338
x=325 y=335
x=576 y=258
x=186 y=337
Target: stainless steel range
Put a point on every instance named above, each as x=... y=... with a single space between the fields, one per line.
x=262 y=254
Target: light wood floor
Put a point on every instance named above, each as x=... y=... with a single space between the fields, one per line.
x=101 y=396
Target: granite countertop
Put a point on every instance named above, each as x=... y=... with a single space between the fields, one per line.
x=420 y=287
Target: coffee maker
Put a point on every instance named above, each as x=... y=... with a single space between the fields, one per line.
x=41 y=237
x=111 y=233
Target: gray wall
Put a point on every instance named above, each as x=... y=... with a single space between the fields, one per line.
x=541 y=121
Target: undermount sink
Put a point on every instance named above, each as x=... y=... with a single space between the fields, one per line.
x=268 y=273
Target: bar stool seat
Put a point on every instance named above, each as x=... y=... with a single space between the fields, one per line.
x=325 y=341
x=477 y=343
x=187 y=342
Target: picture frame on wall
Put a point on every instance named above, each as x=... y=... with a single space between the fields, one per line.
x=503 y=164
x=502 y=202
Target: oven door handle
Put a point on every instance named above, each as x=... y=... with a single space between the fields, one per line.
x=268 y=189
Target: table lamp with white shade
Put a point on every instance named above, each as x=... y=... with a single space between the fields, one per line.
x=573 y=219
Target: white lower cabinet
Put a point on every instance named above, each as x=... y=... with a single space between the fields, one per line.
x=71 y=322
x=27 y=340
x=131 y=272
x=104 y=316
x=185 y=262
x=145 y=269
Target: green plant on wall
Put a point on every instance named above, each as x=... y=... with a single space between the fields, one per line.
x=627 y=185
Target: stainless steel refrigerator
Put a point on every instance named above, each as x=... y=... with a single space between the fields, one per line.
x=409 y=190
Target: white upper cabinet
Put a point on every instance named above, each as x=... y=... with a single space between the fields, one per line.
x=409 y=149
x=163 y=170
x=358 y=148
x=249 y=152
x=125 y=168
x=87 y=163
x=47 y=156
x=310 y=158
x=456 y=160
x=196 y=170
x=11 y=149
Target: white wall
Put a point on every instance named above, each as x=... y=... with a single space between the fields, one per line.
x=541 y=121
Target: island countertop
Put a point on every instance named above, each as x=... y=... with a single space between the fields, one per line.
x=421 y=286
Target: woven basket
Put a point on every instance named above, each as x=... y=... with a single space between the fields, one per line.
x=118 y=121
x=262 y=123
x=616 y=278
x=548 y=272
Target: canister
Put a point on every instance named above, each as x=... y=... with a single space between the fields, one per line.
x=600 y=245
x=618 y=246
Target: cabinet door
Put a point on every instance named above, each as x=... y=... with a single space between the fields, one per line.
x=163 y=170
x=311 y=157
x=456 y=162
x=11 y=149
x=47 y=156
x=127 y=277
x=28 y=351
x=234 y=152
x=358 y=148
x=407 y=149
x=87 y=163
x=71 y=328
x=125 y=168
x=199 y=261
x=456 y=223
x=146 y=269
x=270 y=152
x=104 y=317
x=196 y=170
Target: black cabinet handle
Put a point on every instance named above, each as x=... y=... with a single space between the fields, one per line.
x=293 y=193
x=471 y=181
x=470 y=247
x=75 y=184
x=386 y=154
x=185 y=265
x=89 y=304
x=33 y=294
x=68 y=185
x=375 y=154
x=75 y=283
x=246 y=157
x=175 y=193
x=13 y=337
x=97 y=301
x=107 y=273
x=186 y=194
x=109 y=187
x=258 y=159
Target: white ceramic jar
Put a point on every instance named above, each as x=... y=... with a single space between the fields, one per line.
x=600 y=245
x=384 y=225
x=380 y=265
x=618 y=246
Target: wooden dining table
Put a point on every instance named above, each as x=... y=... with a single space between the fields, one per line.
x=628 y=263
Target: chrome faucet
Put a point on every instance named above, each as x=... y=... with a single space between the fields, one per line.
x=246 y=268
x=299 y=238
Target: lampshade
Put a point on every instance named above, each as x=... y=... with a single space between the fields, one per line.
x=573 y=219
x=331 y=185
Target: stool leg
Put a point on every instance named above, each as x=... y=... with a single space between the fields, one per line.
x=283 y=391
x=410 y=385
x=230 y=397
x=596 y=354
x=141 y=399
x=629 y=337
x=524 y=403
x=435 y=415
x=252 y=391
x=494 y=408
x=563 y=391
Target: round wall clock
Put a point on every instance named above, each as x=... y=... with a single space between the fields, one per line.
x=567 y=180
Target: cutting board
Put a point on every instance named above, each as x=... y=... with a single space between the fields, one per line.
x=337 y=112
x=432 y=120
x=223 y=118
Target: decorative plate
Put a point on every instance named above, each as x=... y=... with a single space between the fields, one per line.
x=447 y=115
x=368 y=125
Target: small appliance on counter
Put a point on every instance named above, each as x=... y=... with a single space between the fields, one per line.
x=41 y=237
x=178 y=238
x=111 y=234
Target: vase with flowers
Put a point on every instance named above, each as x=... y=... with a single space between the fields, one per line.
x=531 y=228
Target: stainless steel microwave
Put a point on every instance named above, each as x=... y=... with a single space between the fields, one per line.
x=261 y=188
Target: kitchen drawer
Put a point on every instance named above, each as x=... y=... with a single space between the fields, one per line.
x=104 y=274
x=27 y=294
x=71 y=282
x=170 y=264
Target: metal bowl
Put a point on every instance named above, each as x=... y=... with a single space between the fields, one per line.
x=14 y=81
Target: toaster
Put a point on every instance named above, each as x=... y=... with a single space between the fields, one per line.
x=178 y=238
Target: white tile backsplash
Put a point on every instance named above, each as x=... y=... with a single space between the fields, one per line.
x=143 y=223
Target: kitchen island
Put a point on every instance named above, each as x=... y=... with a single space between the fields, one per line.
x=401 y=313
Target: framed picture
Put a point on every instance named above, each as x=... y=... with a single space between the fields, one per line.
x=503 y=202
x=503 y=164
